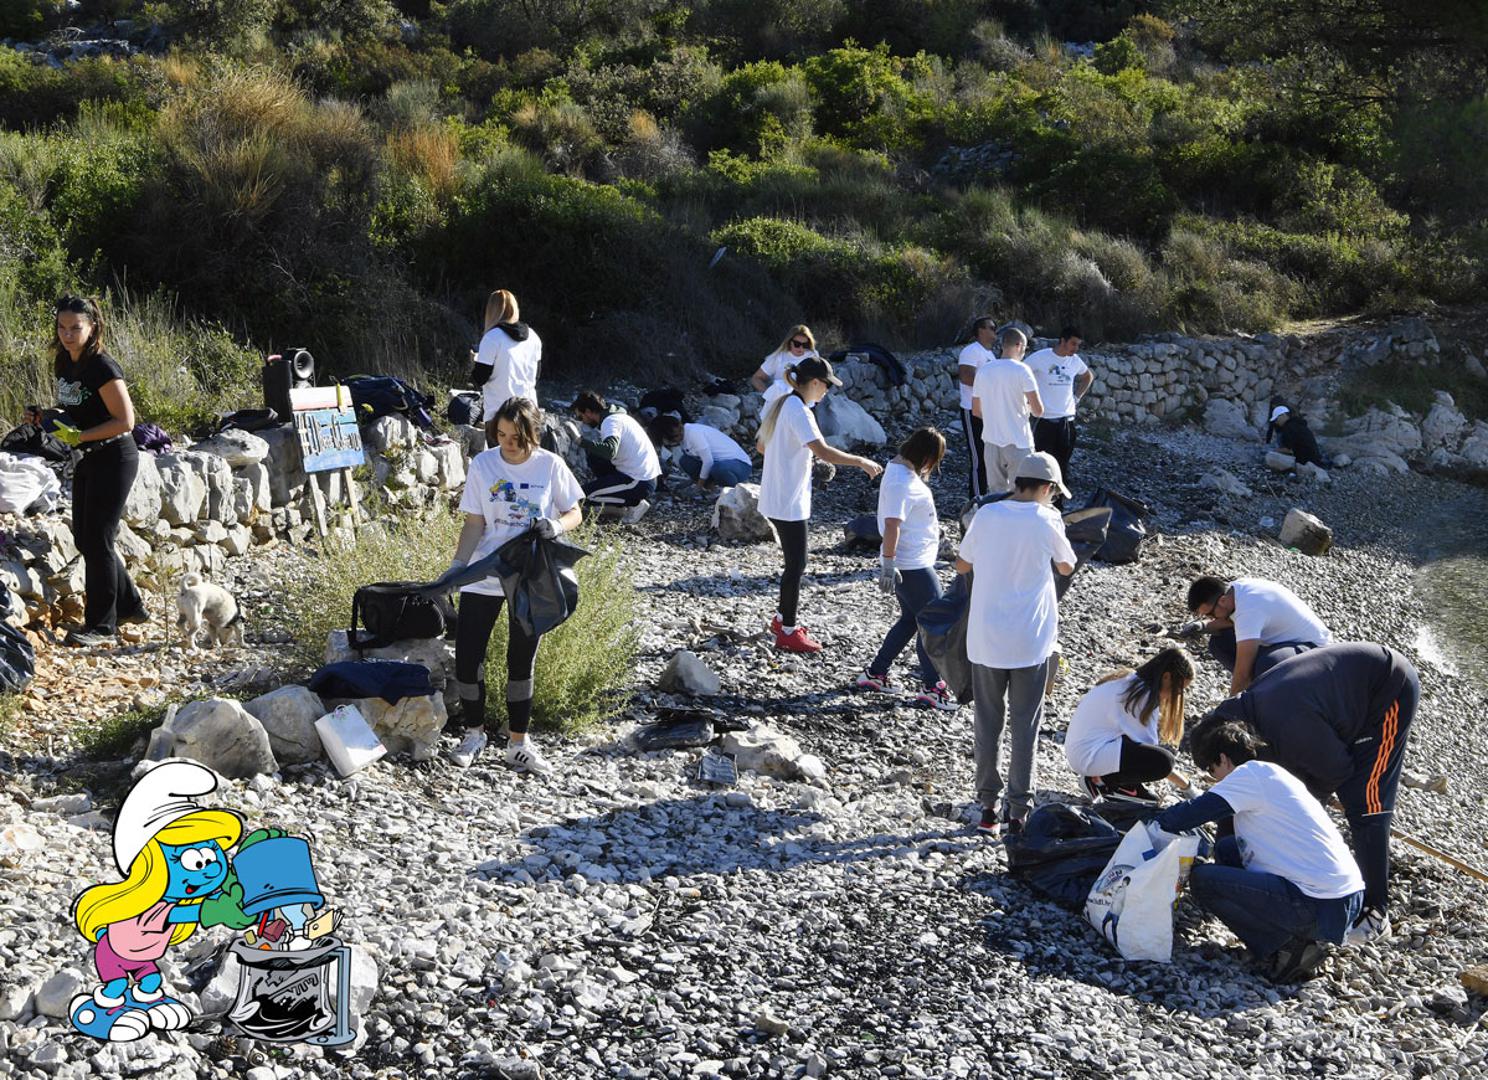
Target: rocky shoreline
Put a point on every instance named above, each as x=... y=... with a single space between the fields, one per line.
x=620 y=919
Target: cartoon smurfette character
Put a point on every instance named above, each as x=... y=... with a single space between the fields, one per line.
x=173 y=855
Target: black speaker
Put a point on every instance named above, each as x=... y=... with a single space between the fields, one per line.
x=294 y=369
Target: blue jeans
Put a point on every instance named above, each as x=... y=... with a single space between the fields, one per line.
x=1222 y=648
x=1267 y=911
x=723 y=473
x=916 y=588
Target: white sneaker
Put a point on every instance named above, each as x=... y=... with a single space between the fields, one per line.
x=1373 y=925
x=635 y=513
x=470 y=747
x=524 y=756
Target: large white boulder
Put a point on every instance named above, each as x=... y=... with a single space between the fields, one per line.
x=1306 y=533
x=1444 y=425
x=217 y=732
x=237 y=448
x=183 y=489
x=285 y=463
x=1227 y=420
x=288 y=716
x=142 y=507
x=736 y=514
x=846 y=424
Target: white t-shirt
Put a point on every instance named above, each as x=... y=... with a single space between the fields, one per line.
x=636 y=457
x=708 y=445
x=903 y=495
x=1283 y=830
x=1001 y=386
x=1271 y=614
x=513 y=368
x=774 y=366
x=785 y=482
x=1092 y=745
x=1014 y=619
x=512 y=497
x=1056 y=377
x=974 y=355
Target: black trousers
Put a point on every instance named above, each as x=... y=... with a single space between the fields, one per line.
x=478 y=615
x=1140 y=764
x=977 y=461
x=1056 y=437
x=100 y=487
x=793 y=545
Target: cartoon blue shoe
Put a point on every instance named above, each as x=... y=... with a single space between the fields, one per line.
x=164 y=1013
x=109 y=1020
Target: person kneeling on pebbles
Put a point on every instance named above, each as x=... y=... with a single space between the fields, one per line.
x=1253 y=625
x=1115 y=735
x=1011 y=630
x=1339 y=717
x=1284 y=883
x=622 y=459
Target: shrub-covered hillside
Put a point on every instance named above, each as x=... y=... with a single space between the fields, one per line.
x=663 y=181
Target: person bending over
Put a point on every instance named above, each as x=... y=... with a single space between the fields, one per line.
x=1253 y=624
x=1295 y=437
x=1284 y=883
x=622 y=460
x=1115 y=735
x=708 y=455
x=1339 y=717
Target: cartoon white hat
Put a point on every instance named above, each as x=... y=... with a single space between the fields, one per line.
x=165 y=794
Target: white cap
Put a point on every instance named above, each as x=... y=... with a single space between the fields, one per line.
x=1278 y=412
x=164 y=794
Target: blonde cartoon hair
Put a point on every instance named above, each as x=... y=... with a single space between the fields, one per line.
x=145 y=885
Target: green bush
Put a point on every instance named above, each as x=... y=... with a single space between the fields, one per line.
x=583 y=668
x=866 y=96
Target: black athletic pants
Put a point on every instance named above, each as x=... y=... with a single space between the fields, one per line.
x=977 y=463
x=1141 y=763
x=478 y=615
x=100 y=487
x=793 y=545
x=1056 y=437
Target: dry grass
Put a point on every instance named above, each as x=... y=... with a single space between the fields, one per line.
x=431 y=154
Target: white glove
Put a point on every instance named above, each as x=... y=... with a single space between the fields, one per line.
x=546 y=528
x=888 y=575
x=1193 y=791
x=1193 y=629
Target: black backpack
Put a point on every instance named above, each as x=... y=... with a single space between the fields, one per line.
x=396 y=611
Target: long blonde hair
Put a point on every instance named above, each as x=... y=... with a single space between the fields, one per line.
x=797 y=375
x=501 y=307
x=783 y=349
x=145 y=885
x=1146 y=693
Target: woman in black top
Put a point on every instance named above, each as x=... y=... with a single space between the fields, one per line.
x=100 y=422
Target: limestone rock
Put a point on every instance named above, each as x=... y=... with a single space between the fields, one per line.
x=1278 y=461
x=217 y=732
x=1444 y=426
x=1226 y=483
x=1313 y=471
x=762 y=749
x=1306 y=533
x=143 y=505
x=387 y=432
x=689 y=675
x=717 y=417
x=845 y=423
x=1474 y=448
x=57 y=993
x=285 y=464
x=411 y=725
x=238 y=448
x=1227 y=420
x=184 y=492
x=288 y=716
x=736 y=514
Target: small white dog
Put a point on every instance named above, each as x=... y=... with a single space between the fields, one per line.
x=209 y=607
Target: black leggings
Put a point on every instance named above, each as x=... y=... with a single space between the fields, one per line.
x=1140 y=764
x=478 y=615
x=793 y=544
x=100 y=487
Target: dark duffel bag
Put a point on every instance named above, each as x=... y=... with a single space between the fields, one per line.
x=389 y=611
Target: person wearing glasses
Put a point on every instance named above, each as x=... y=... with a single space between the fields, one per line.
x=1253 y=624
x=99 y=419
x=789 y=438
x=770 y=379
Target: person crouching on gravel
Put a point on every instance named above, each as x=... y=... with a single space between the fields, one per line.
x=788 y=438
x=1011 y=630
x=910 y=528
x=513 y=487
x=622 y=459
x=1115 y=737
x=708 y=455
x=1253 y=624
x=1284 y=882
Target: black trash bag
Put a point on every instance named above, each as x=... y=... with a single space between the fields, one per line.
x=251 y=420
x=464 y=409
x=677 y=732
x=32 y=439
x=17 y=658
x=1086 y=531
x=373 y=396
x=1061 y=851
x=942 y=625
x=1127 y=529
x=861 y=533
x=536 y=575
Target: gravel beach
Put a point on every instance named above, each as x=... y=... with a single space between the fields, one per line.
x=621 y=919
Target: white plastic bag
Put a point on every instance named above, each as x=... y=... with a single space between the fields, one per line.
x=1132 y=901
x=349 y=740
x=27 y=482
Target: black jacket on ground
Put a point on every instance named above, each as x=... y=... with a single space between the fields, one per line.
x=1312 y=707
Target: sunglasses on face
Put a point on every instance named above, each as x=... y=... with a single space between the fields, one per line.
x=796 y=343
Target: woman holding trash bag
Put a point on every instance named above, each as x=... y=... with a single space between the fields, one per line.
x=510 y=352
x=788 y=439
x=99 y=419
x=1115 y=735
x=770 y=379
x=910 y=528
x=513 y=487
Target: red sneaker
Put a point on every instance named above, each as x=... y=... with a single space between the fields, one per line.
x=798 y=641
x=775 y=625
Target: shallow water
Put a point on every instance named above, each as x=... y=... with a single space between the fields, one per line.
x=1452 y=546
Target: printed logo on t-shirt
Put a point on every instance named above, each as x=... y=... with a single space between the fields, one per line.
x=516 y=505
x=1059 y=375
x=72 y=393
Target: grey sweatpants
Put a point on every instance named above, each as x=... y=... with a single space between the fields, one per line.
x=1002 y=464
x=1014 y=695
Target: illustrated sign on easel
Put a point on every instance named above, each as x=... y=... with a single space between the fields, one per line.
x=330 y=440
